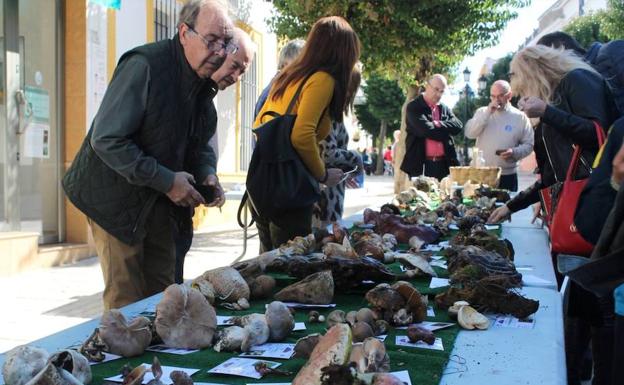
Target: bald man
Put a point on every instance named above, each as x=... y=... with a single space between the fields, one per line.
x=429 y=146
x=233 y=67
x=236 y=64
x=503 y=133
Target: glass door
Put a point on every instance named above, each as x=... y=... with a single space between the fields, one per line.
x=31 y=148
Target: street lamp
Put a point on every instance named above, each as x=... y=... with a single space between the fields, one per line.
x=482 y=83
x=466 y=101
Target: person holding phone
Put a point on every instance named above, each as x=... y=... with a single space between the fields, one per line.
x=335 y=154
x=324 y=68
x=503 y=133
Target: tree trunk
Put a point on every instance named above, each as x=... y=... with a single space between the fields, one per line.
x=380 y=148
x=401 y=179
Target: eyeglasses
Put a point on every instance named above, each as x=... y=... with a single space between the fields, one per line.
x=215 y=45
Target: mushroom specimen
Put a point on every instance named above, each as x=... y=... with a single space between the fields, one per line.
x=127 y=339
x=22 y=364
x=185 y=319
x=317 y=288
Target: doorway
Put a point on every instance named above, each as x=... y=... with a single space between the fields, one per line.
x=29 y=118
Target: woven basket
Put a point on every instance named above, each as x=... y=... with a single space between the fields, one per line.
x=480 y=175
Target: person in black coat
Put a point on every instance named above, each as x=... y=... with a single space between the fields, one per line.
x=598 y=196
x=429 y=146
x=568 y=97
x=607 y=58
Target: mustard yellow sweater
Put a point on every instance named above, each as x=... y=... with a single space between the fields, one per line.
x=310 y=127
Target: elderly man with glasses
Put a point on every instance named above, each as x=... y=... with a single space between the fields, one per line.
x=232 y=69
x=503 y=133
x=147 y=151
x=429 y=146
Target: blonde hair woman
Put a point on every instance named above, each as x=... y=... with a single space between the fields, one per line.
x=563 y=96
x=566 y=96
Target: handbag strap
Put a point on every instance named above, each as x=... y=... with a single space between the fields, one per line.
x=291 y=105
x=576 y=156
x=295 y=97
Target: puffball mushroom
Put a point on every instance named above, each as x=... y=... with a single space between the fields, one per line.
x=262 y=286
x=22 y=364
x=185 y=319
x=257 y=331
x=228 y=283
x=127 y=339
x=281 y=322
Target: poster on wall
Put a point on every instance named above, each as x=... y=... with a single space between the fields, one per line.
x=39 y=99
x=37 y=141
x=97 y=55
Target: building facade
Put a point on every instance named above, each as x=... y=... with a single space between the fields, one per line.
x=58 y=56
x=560 y=14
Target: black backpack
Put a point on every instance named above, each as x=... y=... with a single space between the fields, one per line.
x=277 y=178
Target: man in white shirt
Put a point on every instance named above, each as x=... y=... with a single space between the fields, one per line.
x=503 y=133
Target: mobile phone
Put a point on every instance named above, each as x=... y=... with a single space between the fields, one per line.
x=498 y=152
x=208 y=192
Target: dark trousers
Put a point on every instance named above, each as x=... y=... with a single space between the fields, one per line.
x=618 y=351
x=182 y=237
x=591 y=320
x=508 y=182
x=437 y=168
x=182 y=245
x=283 y=227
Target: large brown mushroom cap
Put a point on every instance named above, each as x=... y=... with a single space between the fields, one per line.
x=185 y=319
x=125 y=338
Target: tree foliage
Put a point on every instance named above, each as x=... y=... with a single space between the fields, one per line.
x=588 y=28
x=500 y=71
x=405 y=39
x=614 y=27
x=384 y=99
x=601 y=26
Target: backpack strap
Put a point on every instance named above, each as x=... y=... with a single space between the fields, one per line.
x=296 y=96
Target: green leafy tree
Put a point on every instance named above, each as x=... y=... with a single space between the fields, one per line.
x=589 y=28
x=384 y=99
x=405 y=40
x=500 y=71
x=614 y=26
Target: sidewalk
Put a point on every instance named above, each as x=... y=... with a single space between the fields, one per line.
x=41 y=302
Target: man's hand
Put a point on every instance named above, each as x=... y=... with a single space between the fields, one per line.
x=617 y=175
x=507 y=154
x=334 y=175
x=219 y=199
x=182 y=192
x=532 y=106
x=493 y=106
x=500 y=214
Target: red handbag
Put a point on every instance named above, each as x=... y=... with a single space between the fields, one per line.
x=564 y=237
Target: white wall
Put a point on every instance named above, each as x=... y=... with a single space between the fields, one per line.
x=131 y=27
x=225 y=102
